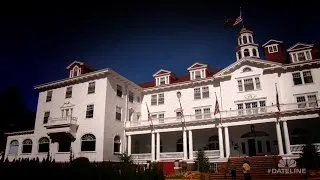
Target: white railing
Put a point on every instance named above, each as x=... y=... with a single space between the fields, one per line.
x=209 y=153
x=298 y=148
x=229 y=114
x=143 y=156
x=61 y=121
x=171 y=155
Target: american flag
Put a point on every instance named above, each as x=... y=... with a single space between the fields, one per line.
x=216 y=109
x=237 y=21
x=149 y=116
x=277 y=98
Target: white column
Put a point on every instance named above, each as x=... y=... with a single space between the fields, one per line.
x=158 y=146
x=185 y=150
x=129 y=145
x=286 y=137
x=152 y=147
x=227 y=141
x=220 y=142
x=190 y=145
x=279 y=138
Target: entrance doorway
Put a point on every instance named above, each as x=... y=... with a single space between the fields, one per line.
x=252 y=147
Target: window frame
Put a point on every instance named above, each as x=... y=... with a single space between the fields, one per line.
x=241 y=85
x=119 y=91
x=118 y=114
x=49 y=96
x=302 y=77
x=69 y=92
x=26 y=146
x=130 y=96
x=198 y=92
x=157 y=99
x=86 y=139
x=306 y=53
x=90 y=111
x=42 y=144
x=118 y=144
x=46 y=117
x=14 y=143
x=272 y=48
x=91 y=88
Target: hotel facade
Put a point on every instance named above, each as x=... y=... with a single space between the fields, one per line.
x=229 y=112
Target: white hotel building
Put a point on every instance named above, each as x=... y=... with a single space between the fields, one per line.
x=99 y=114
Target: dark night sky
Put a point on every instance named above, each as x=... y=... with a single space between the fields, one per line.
x=136 y=39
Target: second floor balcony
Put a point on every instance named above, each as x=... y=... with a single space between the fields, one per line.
x=62 y=127
x=292 y=109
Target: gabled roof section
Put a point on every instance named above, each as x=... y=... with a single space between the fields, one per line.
x=300 y=46
x=272 y=41
x=197 y=66
x=250 y=62
x=161 y=72
x=74 y=62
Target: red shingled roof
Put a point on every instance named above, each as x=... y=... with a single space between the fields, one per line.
x=179 y=79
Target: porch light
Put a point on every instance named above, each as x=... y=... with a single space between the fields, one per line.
x=178 y=94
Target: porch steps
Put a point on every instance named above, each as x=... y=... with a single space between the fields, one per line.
x=259 y=168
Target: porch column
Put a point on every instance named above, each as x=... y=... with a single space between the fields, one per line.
x=227 y=141
x=220 y=142
x=152 y=147
x=279 y=138
x=286 y=137
x=190 y=145
x=185 y=150
x=158 y=146
x=129 y=145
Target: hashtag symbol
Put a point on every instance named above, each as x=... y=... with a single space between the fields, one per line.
x=269 y=171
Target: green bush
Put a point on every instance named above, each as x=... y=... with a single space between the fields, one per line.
x=201 y=163
x=309 y=158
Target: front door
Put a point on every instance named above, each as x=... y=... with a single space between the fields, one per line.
x=252 y=147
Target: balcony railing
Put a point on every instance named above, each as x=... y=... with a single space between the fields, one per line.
x=143 y=156
x=209 y=153
x=298 y=148
x=229 y=114
x=61 y=121
x=171 y=155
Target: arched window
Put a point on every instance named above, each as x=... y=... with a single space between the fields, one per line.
x=239 y=55
x=117 y=144
x=44 y=144
x=244 y=39
x=254 y=52
x=246 y=69
x=239 y=40
x=27 y=146
x=76 y=71
x=88 y=142
x=14 y=147
x=213 y=143
x=180 y=145
x=250 y=39
x=246 y=53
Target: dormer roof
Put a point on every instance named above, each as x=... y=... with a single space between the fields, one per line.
x=300 y=46
x=272 y=41
x=161 y=72
x=80 y=63
x=197 y=65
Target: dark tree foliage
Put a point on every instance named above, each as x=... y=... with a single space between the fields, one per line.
x=201 y=163
x=309 y=158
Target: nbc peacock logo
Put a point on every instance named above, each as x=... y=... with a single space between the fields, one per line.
x=287 y=163
x=287 y=166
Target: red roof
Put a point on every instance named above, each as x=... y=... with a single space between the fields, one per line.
x=178 y=79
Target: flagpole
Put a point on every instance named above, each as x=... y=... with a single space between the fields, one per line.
x=241 y=17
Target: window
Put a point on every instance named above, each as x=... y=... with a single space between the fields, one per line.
x=312 y=100
x=91 y=87
x=251 y=107
x=179 y=145
x=239 y=40
x=88 y=142
x=246 y=69
x=118 y=113
x=273 y=48
x=27 y=146
x=64 y=146
x=246 y=53
x=243 y=148
x=301 y=56
x=248 y=84
x=198 y=113
x=162 y=80
x=240 y=87
x=46 y=117
x=69 y=92
x=268 y=146
x=244 y=39
x=197 y=93
x=14 y=147
x=239 y=54
x=136 y=147
x=161 y=117
x=49 y=96
x=213 y=143
x=89 y=112
x=157 y=99
x=205 y=92
x=119 y=91
x=307 y=77
x=179 y=114
x=117 y=145
x=262 y=105
x=76 y=71
x=44 y=144
x=197 y=75
x=138 y=99
x=240 y=109
x=254 y=52
x=250 y=39
x=206 y=113
x=259 y=146
x=130 y=96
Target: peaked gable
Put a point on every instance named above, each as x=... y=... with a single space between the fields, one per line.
x=197 y=66
x=272 y=41
x=74 y=63
x=248 y=62
x=161 y=72
x=299 y=46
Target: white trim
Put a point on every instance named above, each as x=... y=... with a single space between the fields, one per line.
x=19 y=132
x=299 y=43
x=197 y=63
x=294 y=55
x=272 y=40
x=74 y=62
x=163 y=74
x=307 y=93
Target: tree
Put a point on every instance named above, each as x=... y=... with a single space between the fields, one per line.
x=125 y=158
x=309 y=158
x=202 y=162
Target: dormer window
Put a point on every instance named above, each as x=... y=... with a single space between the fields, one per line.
x=197 y=74
x=162 y=80
x=76 y=71
x=273 y=48
x=301 y=56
